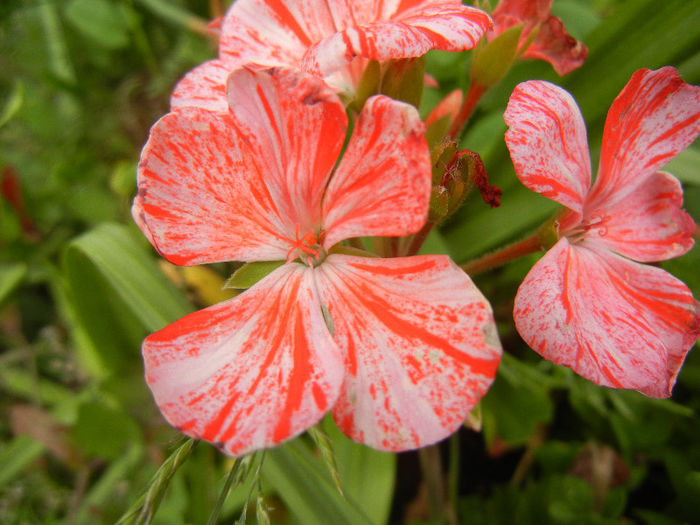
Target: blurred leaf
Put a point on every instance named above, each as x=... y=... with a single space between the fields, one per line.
x=250 y=273
x=104 y=431
x=17 y=455
x=302 y=482
x=104 y=490
x=118 y=291
x=101 y=20
x=366 y=475
x=13 y=104
x=11 y=277
x=516 y=403
x=686 y=166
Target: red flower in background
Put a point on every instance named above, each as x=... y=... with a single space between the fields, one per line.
x=333 y=39
x=551 y=42
x=587 y=304
x=400 y=350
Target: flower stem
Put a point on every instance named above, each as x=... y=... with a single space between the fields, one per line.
x=429 y=458
x=470 y=101
x=499 y=257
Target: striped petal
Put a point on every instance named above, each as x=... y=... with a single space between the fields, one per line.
x=547 y=143
x=382 y=184
x=420 y=346
x=203 y=87
x=655 y=117
x=251 y=372
x=273 y=33
x=412 y=30
x=552 y=43
x=647 y=224
x=613 y=321
x=241 y=185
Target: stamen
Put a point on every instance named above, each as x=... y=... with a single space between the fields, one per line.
x=306 y=245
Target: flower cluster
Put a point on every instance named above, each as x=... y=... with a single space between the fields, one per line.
x=253 y=165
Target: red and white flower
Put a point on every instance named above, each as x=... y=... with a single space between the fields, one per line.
x=399 y=350
x=551 y=42
x=333 y=39
x=587 y=304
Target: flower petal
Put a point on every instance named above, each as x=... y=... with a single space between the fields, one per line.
x=613 y=321
x=251 y=372
x=420 y=346
x=241 y=185
x=654 y=117
x=382 y=184
x=648 y=224
x=547 y=142
x=413 y=29
x=203 y=87
x=447 y=107
x=554 y=45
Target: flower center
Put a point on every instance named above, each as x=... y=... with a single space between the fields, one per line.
x=595 y=224
x=307 y=248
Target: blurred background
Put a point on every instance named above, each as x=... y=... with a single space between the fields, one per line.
x=81 y=82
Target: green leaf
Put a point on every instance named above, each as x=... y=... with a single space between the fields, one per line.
x=516 y=403
x=16 y=456
x=303 y=484
x=366 y=475
x=130 y=270
x=118 y=295
x=686 y=166
x=11 y=276
x=104 y=431
x=250 y=273
x=13 y=104
x=101 y=20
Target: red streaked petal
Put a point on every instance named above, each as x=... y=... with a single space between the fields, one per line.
x=447 y=107
x=382 y=184
x=239 y=185
x=547 y=142
x=655 y=117
x=648 y=224
x=203 y=87
x=420 y=346
x=295 y=126
x=554 y=45
x=201 y=192
x=251 y=372
x=613 y=321
x=272 y=32
x=412 y=30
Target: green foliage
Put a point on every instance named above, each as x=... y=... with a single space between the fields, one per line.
x=81 y=441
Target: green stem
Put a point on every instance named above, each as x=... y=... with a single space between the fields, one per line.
x=417 y=240
x=143 y=511
x=499 y=257
x=453 y=478
x=470 y=101
x=232 y=475
x=429 y=458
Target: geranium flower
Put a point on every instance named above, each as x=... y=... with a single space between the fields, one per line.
x=398 y=349
x=551 y=42
x=587 y=304
x=329 y=38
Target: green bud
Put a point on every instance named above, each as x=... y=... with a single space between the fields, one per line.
x=492 y=60
x=439 y=198
x=403 y=79
x=368 y=85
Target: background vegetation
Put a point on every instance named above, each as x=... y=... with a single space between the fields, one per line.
x=81 y=81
